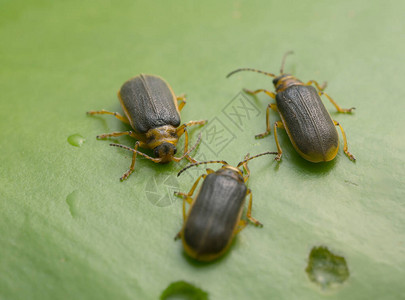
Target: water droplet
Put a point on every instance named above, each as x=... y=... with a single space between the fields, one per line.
x=76 y=140
x=326 y=268
x=184 y=291
x=71 y=201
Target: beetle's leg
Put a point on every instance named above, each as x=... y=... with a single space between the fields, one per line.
x=339 y=109
x=135 y=153
x=188 y=197
x=192 y=160
x=246 y=168
x=189 y=200
x=115 y=134
x=273 y=106
x=191 y=192
x=278 y=124
x=271 y=94
x=210 y=171
x=267 y=132
x=321 y=92
x=184 y=196
x=178 y=235
x=132 y=167
x=249 y=211
x=105 y=112
x=182 y=99
x=318 y=86
x=182 y=128
x=187 y=152
x=349 y=155
x=242 y=224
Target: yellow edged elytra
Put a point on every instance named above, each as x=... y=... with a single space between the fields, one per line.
x=214 y=216
x=308 y=124
x=152 y=109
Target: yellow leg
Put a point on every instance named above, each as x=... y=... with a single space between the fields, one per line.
x=349 y=155
x=210 y=171
x=135 y=153
x=267 y=132
x=249 y=211
x=178 y=235
x=115 y=134
x=182 y=101
x=278 y=124
x=273 y=106
x=318 y=86
x=132 y=167
x=270 y=106
x=242 y=224
x=105 y=112
x=182 y=128
x=187 y=152
x=338 y=108
x=271 y=94
x=189 y=200
x=246 y=168
x=190 y=159
x=188 y=197
x=321 y=92
x=191 y=192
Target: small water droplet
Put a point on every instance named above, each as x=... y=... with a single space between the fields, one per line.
x=326 y=268
x=71 y=201
x=76 y=140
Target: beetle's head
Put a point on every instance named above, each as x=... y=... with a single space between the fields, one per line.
x=230 y=171
x=165 y=151
x=279 y=79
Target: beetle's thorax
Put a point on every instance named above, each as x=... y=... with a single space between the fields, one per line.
x=163 y=141
x=284 y=81
x=232 y=172
x=159 y=135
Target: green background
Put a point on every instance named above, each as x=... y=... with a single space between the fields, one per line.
x=69 y=229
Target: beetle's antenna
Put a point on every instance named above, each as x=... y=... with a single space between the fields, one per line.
x=138 y=152
x=250 y=158
x=192 y=148
x=283 y=61
x=250 y=69
x=201 y=163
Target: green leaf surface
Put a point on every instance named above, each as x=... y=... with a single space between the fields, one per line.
x=69 y=229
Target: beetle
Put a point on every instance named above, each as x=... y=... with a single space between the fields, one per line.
x=152 y=109
x=214 y=216
x=308 y=124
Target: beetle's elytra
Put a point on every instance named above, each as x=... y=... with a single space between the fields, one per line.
x=151 y=108
x=305 y=118
x=214 y=216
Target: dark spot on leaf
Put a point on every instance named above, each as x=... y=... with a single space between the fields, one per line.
x=326 y=268
x=181 y=290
